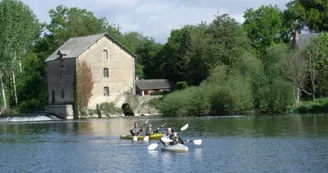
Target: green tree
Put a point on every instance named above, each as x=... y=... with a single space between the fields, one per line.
x=74 y=22
x=312 y=14
x=32 y=88
x=19 y=29
x=148 y=54
x=228 y=42
x=265 y=26
x=316 y=55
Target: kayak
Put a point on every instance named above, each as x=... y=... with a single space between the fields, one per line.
x=176 y=148
x=156 y=136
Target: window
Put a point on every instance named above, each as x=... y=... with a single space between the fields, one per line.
x=106 y=91
x=105 y=54
x=105 y=72
x=62 y=93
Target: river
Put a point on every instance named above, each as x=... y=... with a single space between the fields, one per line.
x=230 y=144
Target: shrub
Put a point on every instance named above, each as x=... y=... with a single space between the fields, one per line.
x=109 y=108
x=181 y=85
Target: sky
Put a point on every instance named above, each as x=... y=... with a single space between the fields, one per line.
x=154 y=18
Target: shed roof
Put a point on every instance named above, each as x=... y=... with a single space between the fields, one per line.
x=74 y=47
x=153 y=84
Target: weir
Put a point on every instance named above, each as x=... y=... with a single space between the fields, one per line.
x=30 y=117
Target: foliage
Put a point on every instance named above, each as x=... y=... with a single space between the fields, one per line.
x=19 y=29
x=159 y=93
x=317 y=106
x=317 y=58
x=310 y=14
x=84 y=85
x=31 y=88
x=74 y=22
x=181 y=85
x=265 y=27
x=131 y=98
x=109 y=108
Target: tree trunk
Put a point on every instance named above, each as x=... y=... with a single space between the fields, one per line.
x=20 y=65
x=313 y=88
x=297 y=101
x=3 y=93
x=15 y=92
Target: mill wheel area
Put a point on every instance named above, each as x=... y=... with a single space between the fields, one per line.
x=127 y=110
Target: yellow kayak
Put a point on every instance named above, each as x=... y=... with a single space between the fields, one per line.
x=156 y=136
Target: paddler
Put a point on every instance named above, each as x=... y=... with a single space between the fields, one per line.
x=176 y=138
x=167 y=135
x=135 y=131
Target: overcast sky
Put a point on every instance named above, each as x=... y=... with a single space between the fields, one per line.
x=154 y=18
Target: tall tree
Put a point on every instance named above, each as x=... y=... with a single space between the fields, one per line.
x=73 y=22
x=183 y=58
x=147 y=56
x=294 y=67
x=228 y=43
x=265 y=26
x=312 y=14
x=316 y=54
x=31 y=88
x=19 y=28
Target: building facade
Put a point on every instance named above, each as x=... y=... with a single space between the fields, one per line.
x=112 y=67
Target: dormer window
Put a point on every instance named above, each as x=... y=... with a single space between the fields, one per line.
x=105 y=54
x=63 y=52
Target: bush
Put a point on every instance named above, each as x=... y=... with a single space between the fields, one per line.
x=109 y=108
x=28 y=106
x=181 y=85
x=159 y=93
x=220 y=93
x=317 y=106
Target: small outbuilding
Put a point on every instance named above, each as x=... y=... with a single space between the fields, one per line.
x=146 y=87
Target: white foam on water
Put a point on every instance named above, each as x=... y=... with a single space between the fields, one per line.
x=28 y=118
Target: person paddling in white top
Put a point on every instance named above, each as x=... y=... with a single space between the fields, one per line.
x=167 y=135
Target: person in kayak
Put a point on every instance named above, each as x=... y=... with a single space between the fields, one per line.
x=149 y=130
x=167 y=135
x=176 y=138
x=136 y=131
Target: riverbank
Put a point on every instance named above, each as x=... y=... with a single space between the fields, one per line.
x=317 y=106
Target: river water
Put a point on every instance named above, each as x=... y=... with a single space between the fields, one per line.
x=230 y=144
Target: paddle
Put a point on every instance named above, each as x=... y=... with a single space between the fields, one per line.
x=184 y=127
x=197 y=141
x=165 y=139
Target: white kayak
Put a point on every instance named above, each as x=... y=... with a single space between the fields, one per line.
x=176 y=148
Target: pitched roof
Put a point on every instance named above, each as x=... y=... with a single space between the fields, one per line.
x=74 y=47
x=153 y=84
x=305 y=39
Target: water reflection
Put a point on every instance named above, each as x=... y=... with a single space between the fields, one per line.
x=198 y=153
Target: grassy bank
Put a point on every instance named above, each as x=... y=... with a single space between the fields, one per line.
x=317 y=106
